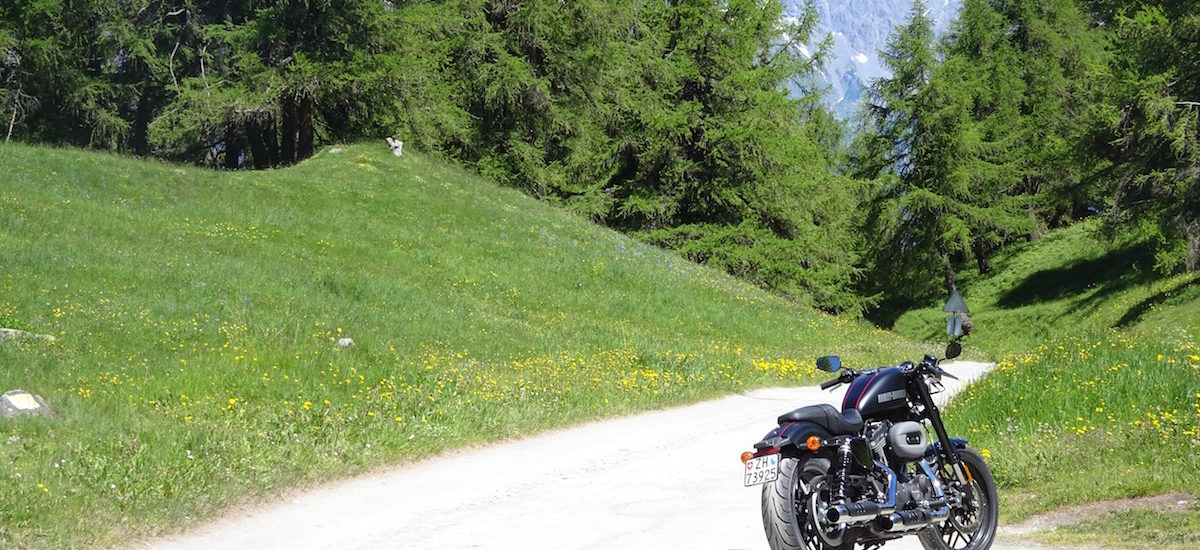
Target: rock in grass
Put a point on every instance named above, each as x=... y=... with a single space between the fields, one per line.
x=14 y=334
x=344 y=343
x=20 y=402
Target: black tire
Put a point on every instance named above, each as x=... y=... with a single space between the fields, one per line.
x=785 y=505
x=968 y=530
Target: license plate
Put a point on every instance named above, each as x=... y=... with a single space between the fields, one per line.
x=763 y=469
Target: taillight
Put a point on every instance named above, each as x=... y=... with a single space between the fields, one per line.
x=765 y=452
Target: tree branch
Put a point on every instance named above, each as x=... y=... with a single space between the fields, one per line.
x=207 y=89
x=12 y=121
x=171 y=65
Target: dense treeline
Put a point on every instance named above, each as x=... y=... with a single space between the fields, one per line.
x=671 y=121
x=1029 y=114
x=695 y=124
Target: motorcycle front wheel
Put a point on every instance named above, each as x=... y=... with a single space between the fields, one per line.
x=786 y=505
x=969 y=527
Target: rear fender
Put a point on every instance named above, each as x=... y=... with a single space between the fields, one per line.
x=791 y=436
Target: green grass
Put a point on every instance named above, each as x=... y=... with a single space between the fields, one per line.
x=1073 y=278
x=1097 y=394
x=1138 y=529
x=1088 y=417
x=196 y=313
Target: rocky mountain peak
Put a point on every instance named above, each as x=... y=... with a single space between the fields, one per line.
x=860 y=29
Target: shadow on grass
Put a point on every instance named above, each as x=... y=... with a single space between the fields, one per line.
x=1125 y=267
x=1164 y=297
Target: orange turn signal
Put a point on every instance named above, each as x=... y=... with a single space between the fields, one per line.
x=746 y=456
x=813 y=443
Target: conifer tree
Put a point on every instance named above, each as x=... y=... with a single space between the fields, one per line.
x=723 y=165
x=943 y=183
x=1155 y=122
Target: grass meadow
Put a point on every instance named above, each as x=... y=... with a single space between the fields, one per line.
x=1097 y=390
x=1132 y=530
x=196 y=314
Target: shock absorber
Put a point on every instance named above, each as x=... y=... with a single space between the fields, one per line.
x=845 y=457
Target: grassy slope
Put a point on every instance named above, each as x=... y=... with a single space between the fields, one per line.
x=1133 y=529
x=1098 y=390
x=196 y=314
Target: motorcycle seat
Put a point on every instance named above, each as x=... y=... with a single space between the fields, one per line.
x=828 y=417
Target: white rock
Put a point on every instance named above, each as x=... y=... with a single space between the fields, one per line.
x=345 y=343
x=20 y=402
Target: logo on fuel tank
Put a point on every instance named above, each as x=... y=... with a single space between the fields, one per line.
x=891 y=396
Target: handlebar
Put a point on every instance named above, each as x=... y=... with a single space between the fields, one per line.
x=847 y=376
x=928 y=365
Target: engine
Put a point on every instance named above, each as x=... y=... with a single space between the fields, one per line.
x=918 y=489
x=907 y=440
x=908 y=494
x=906 y=444
x=897 y=443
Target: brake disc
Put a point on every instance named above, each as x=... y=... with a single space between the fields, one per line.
x=829 y=533
x=966 y=519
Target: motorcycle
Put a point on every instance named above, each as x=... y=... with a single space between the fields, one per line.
x=868 y=474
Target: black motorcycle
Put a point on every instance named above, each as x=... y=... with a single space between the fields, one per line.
x=867 y=474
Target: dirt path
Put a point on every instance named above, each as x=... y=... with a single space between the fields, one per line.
x=1165 y=503
x=665 y=479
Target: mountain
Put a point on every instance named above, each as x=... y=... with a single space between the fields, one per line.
x=860 y=29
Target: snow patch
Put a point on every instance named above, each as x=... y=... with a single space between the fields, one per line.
x=860 y=58
x=804 y=51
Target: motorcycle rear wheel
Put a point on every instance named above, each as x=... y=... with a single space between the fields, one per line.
x=785 y=505
x=968 y=529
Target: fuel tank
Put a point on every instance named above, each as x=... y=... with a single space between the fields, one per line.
x=879 y=395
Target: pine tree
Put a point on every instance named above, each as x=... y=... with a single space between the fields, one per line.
x=1155 y=121
x=724 y=165
x=943 y=181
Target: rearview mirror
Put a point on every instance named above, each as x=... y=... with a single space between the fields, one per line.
x=954 y=349
x=829 y=363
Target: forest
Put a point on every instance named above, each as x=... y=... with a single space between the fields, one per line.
x=695 y=125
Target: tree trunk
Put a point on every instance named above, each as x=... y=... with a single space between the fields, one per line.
x=1191 y=232
x=271 y=140
x=141 y=120
x=258 y=149
x=233 y=152
x=11 y=122
x=981 y=257
x=287 y=132
x=304 y=118
x=951 y=286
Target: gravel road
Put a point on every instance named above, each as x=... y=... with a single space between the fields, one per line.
x=665 y=479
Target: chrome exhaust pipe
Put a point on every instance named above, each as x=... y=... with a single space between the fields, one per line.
x=909 y=520
x=855 y=512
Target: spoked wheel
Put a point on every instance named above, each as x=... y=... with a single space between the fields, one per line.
x=972 y=525
x=789 y=506
x=831 y=536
